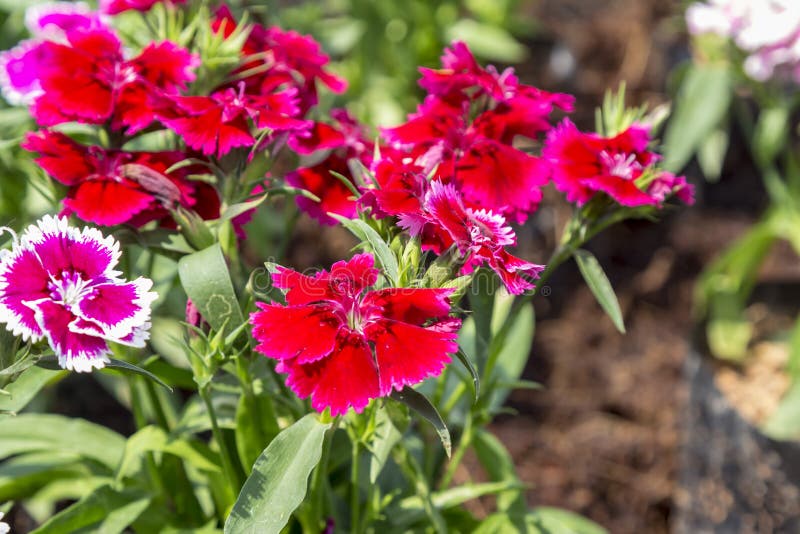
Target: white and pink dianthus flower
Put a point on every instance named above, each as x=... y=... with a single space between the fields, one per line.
x=58 y=282
x=768 y=30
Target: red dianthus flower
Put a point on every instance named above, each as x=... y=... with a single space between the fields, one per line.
x=585 y=164
x=344 y=344
x=109 y=187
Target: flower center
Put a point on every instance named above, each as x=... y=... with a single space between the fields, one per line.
x=69 y=289
x=622 y=165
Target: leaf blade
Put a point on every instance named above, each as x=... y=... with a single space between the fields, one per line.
x=600 y=286
x=277 y=484
x=204 y=275
x=420 y=404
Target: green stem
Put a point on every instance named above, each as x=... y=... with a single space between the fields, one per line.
x=243 y=373
x=158 y=410
x=141 y=421
x=228 y=466
x=560 y=255
x=458 y=455
x=355 y=501
x=319 y=483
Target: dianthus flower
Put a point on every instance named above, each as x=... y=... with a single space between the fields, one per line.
x=54 y=20
x=109 y=187
x=113 y=7
x=218 y=123
x=59 y=283
x=585 y=164
x=477 y=152
x=20 y=66
x=435 y=212
x=345 y=140
x=343 y=344
x=768 y=30
x=284 y=57
x=85 y=78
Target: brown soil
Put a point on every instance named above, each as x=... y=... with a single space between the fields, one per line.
x=603 y=437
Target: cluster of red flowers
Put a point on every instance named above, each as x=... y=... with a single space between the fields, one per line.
x=75 y=69
x=450 y=175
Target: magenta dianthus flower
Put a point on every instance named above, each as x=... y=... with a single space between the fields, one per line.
x=59 y=283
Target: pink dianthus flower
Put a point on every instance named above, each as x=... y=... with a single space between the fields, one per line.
x=59 y=283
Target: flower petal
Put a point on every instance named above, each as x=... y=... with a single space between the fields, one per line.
x=22 y=279
x=413 y=306
x=346 y=379
x=408 y=354
x=75 y=351
x=62 y=248
x=118 y=308
x=107 y=202
x=300 y=333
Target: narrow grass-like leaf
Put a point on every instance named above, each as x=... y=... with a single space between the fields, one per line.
x=702 y=104
x=420 y=403
x=499 y=465
x=277 y=485
x=55 y=433
x=384 y=255
x=476 y=381
x=235 y=210
x=598 y=282
x=556 y=520
x=26 y=387
x=154 y=439
x=104 y=510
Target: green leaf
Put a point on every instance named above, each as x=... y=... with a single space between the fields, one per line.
x=499 y=465
x=104 y=510
x=491 y=42
x=26 y=387
x=728 y=331
x=161 y=239
x=420 y=403
x=771 y=132
x=24 y=475
x=702 y=104
x=205 y=278
x=363 y=231
x=250 y=439
x=502 y=523
x=784 y=423
x=483 y=296
x=278 y=482
x=385 y=437
x=476 y=381
x=793 y=367
x=412 y=509
x=51 y=363
x=513 y=353
x=134 y=369
x=598 y=282
x=234 y=210
x=557 y=521
x=154 y=439
x=711 y=153
x=44 y=432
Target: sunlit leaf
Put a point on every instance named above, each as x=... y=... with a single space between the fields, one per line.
x=277 y=485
